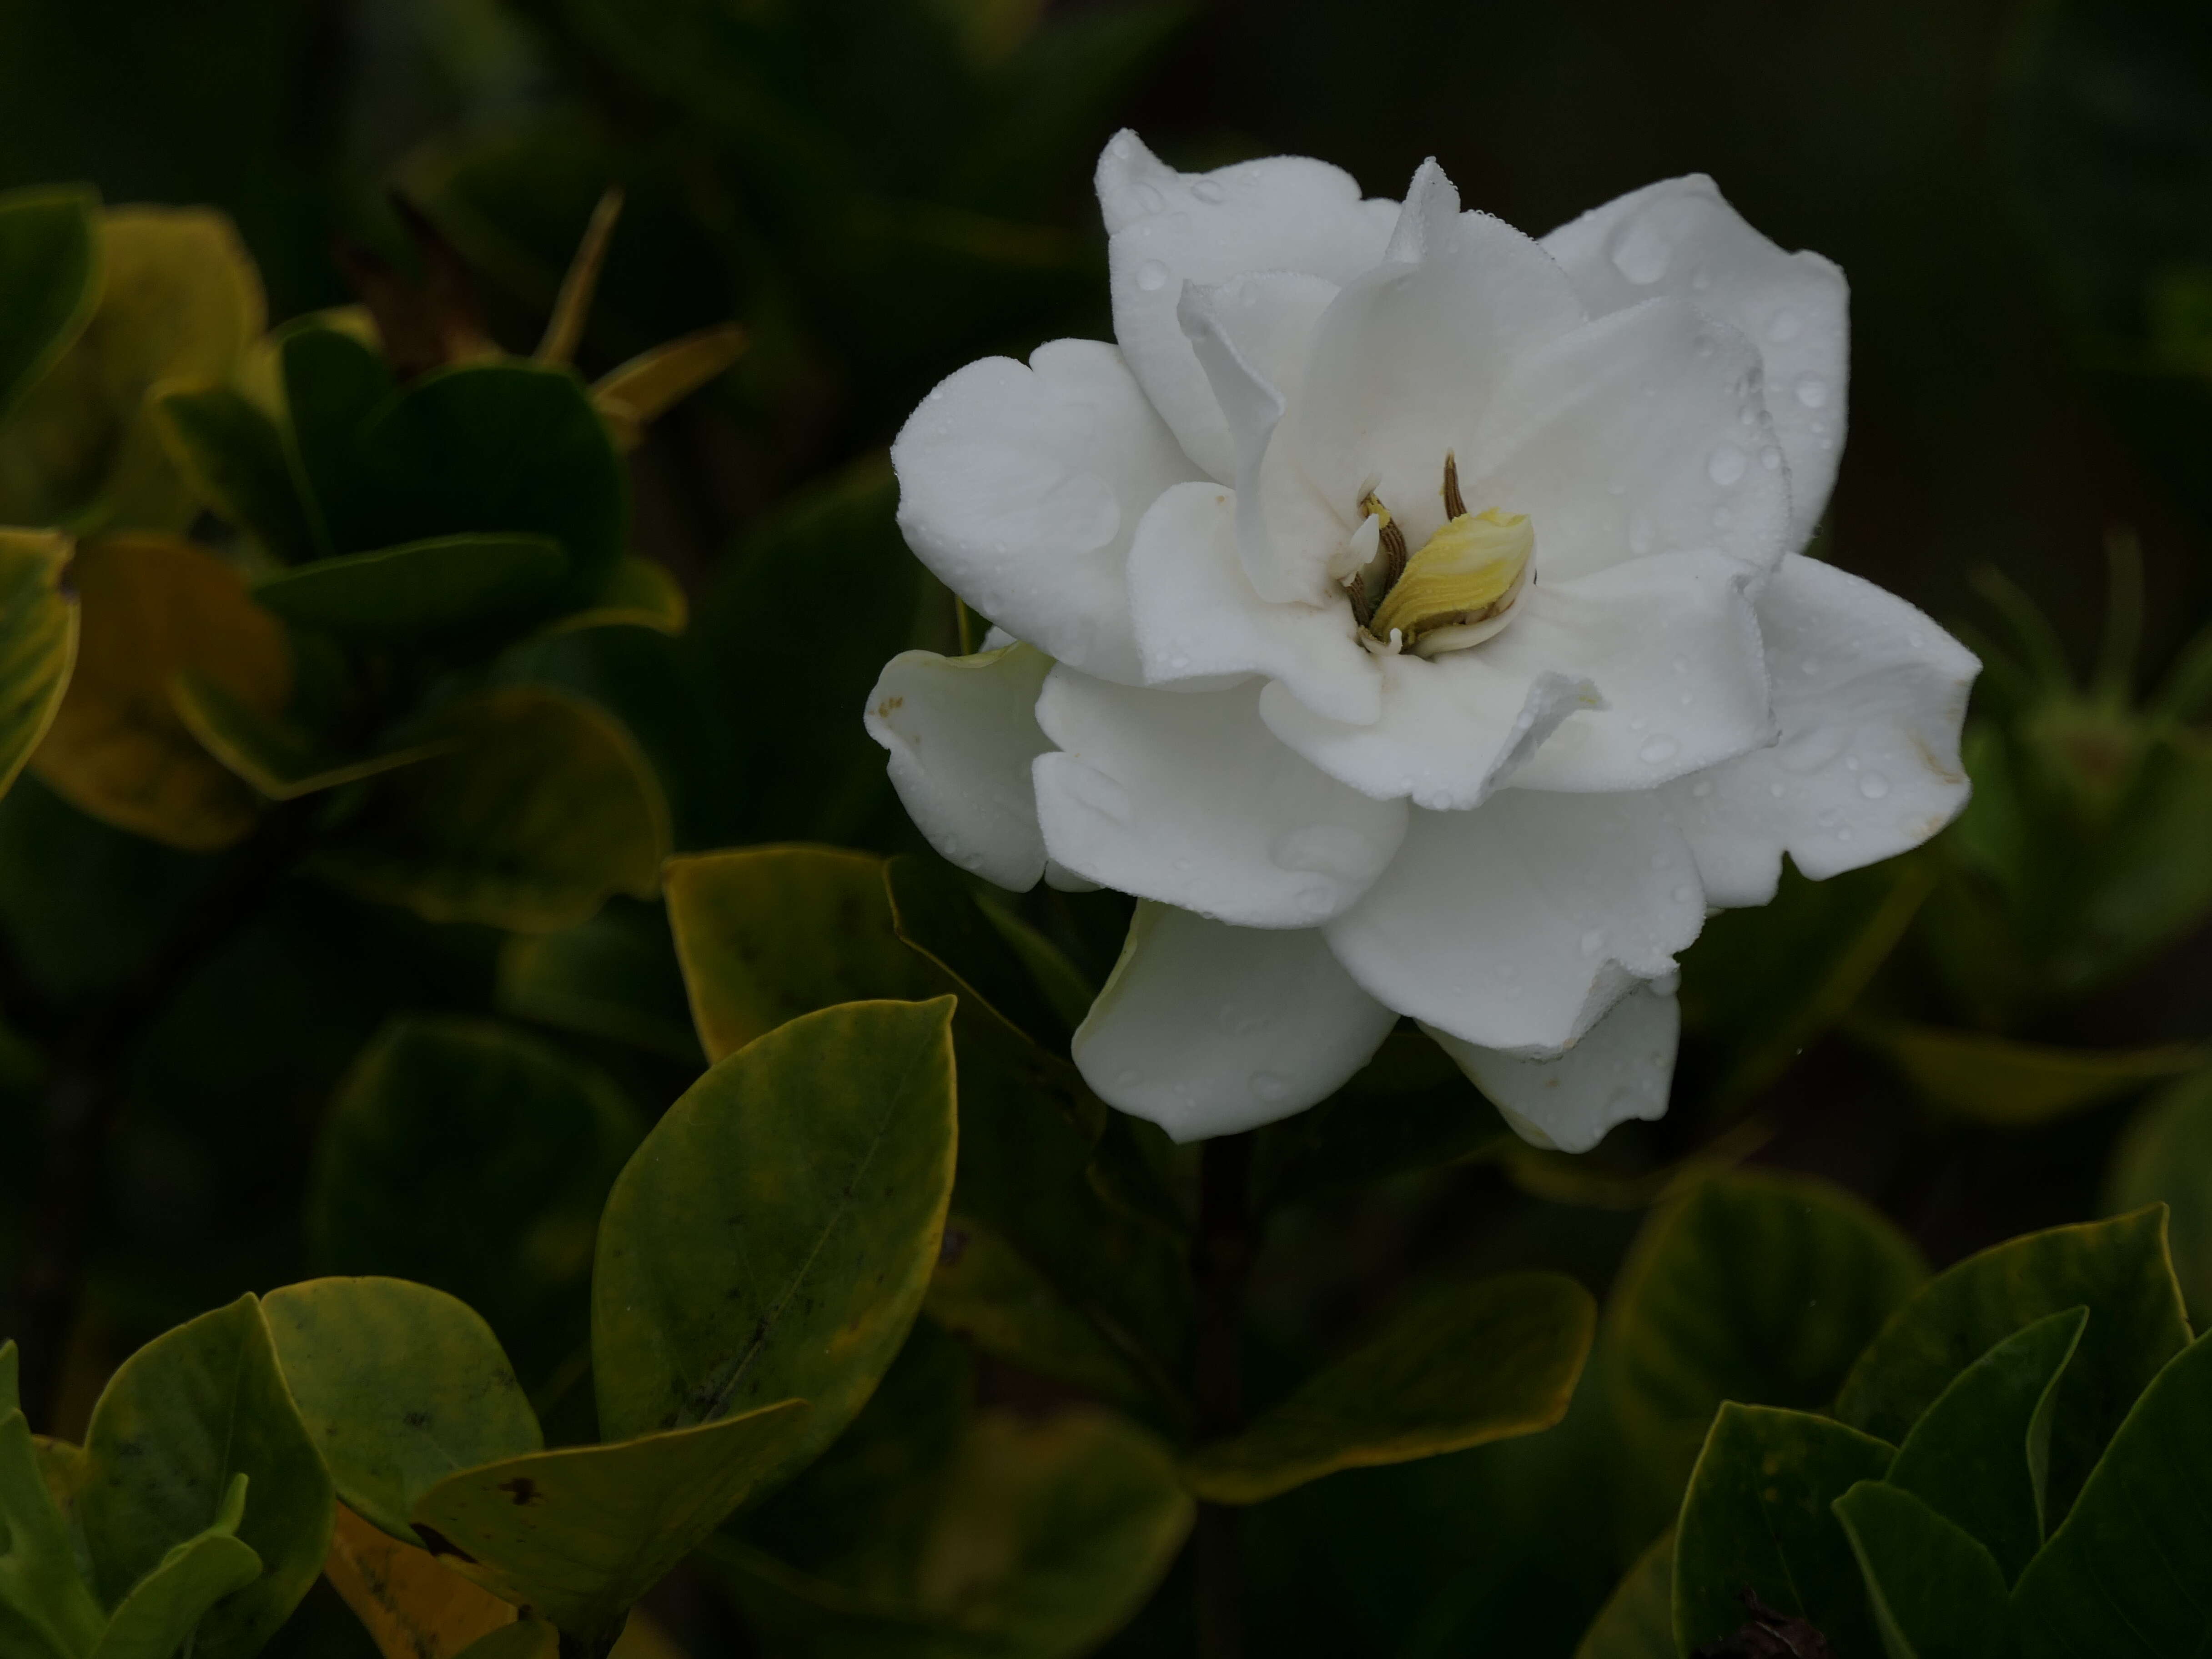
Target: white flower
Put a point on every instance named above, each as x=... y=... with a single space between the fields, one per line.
x=1411 y=615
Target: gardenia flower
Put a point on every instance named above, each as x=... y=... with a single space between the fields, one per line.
x=1412 y=616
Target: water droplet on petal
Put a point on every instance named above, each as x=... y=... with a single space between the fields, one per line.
x=1152 y=276
x=1726 y=465
x=1874 y=785
x=1150 y=199
x=1785 y=325
x=1206 y=190
x=1683 y=894
x=1268 y=1086
x=1593 y=941
x=1657 y=749
x=1771 y=458
x=1812 y=391
x=1326 y=850
x=1640 y=253
x=1702 y=788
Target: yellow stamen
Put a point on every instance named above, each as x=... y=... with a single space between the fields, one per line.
x=1465 y=575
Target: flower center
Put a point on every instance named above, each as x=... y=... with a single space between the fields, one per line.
x=1456 y=591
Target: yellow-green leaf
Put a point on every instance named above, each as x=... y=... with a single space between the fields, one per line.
x=161 y=1612
x=640 y=391
x=412 y=1606
x=49 y=270
x=38 y=642
x=151 y=608
x=39 y=1583
x=2165 y=1158
x=581 y=1533
x=419 y=590
x=1996 y=1080
x=638 y=593
x=1457 y=1365
x=232 y=455
x=281 y=759
x=546 y=809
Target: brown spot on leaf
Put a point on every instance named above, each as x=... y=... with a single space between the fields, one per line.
x=525 y=1490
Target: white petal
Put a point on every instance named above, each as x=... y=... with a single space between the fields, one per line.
x=1672 y=644
x=1517 y=925
x=1679 y=237
x=1197 y=615
x=1164 y=228
x=1407 y=360
x=1621 y=1069
x=1185 y=798
x=1643 y=432
x=1449 y=729
x=961 y=733
x=1870 y=696
x=1208 y=1029
x=1022 y=487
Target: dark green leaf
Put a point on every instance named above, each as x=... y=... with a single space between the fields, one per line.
x=988 y=1292
x=1758 y=1288
x=1757 y=1517
x=2165 y=1158
x=2125 y=1575
x=232 y=454
x=2117 y=1270
x=774 y=1235
x=400 y=1385
x=615 y=976
x=1455 y=1366
x=1994 y=1079
x=49 y=249
x=332 y=384
x=1980 y=1456
x=181 y=1417
x=164 y=1608
x=935 y=912
x=1638 y=1620
x=419 y=592
x=274 y=753
x=1933 y=1590
x=580 y=1535
x=637 y=593
x=37 y=638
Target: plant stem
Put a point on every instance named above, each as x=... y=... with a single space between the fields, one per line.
x=86 y=1093
x=1221 y=1260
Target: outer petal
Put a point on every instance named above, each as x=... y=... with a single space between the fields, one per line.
x=1870 y=696
x=1672 y=644
x=961 y=733
x=1643 y=432
x=1197 y=615
x=1185 y=798
x=1022 y=487
x=1516 y=926
x=1621 y=1069
x=1207 y=1029
x=1165 y=229
x=1409 y=358
x=1679 y=237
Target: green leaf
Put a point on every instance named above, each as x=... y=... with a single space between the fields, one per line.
x=935 y=912
x=164 y=1608
x=772 y=932
x=422 y=591
x=614 y=976
x=38 y=636
x=1933 y=1590
x=773 y=1235
x=473 y=1158
x=2117 y=1270
x=333 y=382
x=646 y=386
x=44 y=1605
x=233 y=455
x=638 y=593
x=546 y=809
x=1758 y=1288
x=180 y=1418
x=49 y=252
x=274 y=753
x=1638 y=1619
x=1455 y=1366
x=2125 y=1574
x=1757 y=1517
x=2165 y=1156
x=401 y=1385
x=1994 y=1079
x=1036 y=1537
x=581 y=1533
x=988 y=1292
x=1980 y=1456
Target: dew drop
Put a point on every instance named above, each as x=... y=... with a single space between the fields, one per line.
x=1206 y=190
x=1702 y=788
x=1325 y=849
x=1726 y=465
x=1150 y=199
x=1641 y=254
x=1771 y=458
x=1657 y=749
x=1178 y=662
x=1874 y=785
x=1268 y=1086
x=1785 y=325
x=1152 y=276
x=1593 y=941
x=1812 y=391
x=1775 y=790
x=1683 y=894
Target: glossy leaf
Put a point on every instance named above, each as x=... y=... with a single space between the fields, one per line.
x=2125 y=1574
x=151 y=608
x=1997 y=1079
x=38 y=636
x=1638 y=1619
x=1757 y=1517
x=614 y=976
x=420 y=592
x=988 y=1293
x=177 y=1422
x=232 y=455
x=1931 y=1588
x=774 y=1235
x=1980 y=1456
x=546 y=809
x=400 y=1385
x=178 y=301
x=412 y=1606
x=636 y=393
x=162 y=1611
x=49 y=270
x=272 y=752
x=43 y=1604
x=637 y=593
x=1753 y=1287
x=2117 y=1270
x=2165 y=1158
x=581 y=1533
x=1453 y=1367
x=474 y=1157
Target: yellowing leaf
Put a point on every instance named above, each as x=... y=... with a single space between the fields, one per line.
x=648 y=384
x=413 y=1607
x=152 y=607
x=38 y=642
x=638 y=593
